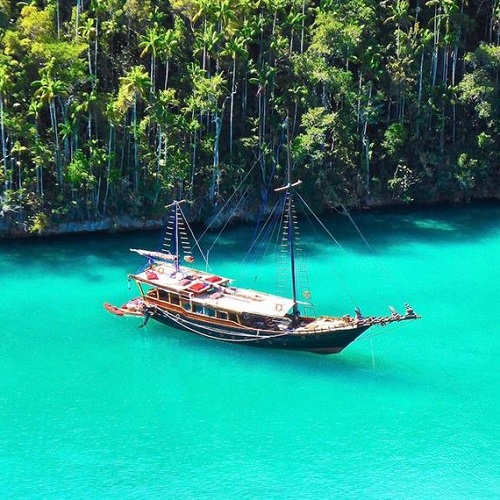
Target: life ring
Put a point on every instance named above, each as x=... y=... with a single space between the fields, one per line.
x=279 y=307
x=160 y=269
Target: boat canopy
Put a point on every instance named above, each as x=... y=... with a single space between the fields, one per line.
x=243 y=301
x=209 y=290
x=154 y=255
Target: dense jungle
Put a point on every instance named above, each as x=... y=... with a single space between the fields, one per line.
x=112 y=108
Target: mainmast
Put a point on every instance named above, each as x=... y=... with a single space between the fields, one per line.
x=289 y=188
x=176 y=236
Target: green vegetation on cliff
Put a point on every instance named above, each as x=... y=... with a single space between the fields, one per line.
x=112 y=107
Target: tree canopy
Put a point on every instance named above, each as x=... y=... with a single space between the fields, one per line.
x=111 y=107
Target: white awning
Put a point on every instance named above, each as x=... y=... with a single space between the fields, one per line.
x=213 y=291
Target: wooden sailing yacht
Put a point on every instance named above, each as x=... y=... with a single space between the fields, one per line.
x=207 y=304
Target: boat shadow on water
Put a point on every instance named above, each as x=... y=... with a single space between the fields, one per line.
x=352 y=367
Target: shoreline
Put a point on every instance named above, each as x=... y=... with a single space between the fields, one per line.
x=123 y=223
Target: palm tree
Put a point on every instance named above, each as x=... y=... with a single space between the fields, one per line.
x=69 y=135
x=161 y=113
x=151 y=44
x=298 y=94
x=234 y=48
x=295 y=20
x=49 y=88
x=134 y=86
x=205 y=42
x=399 y=15
x=436 y=20
x=98 y=7
x=77 y=17
x=223 y=13
x=247 y=32
x=205 y=98
x=34 y=110
x=58 y=16
x=205 y=11
x=168 y=48
x=264 y=80
x=4 y=83
x=87 y=31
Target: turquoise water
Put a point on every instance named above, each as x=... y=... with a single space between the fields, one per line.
x=91 y=406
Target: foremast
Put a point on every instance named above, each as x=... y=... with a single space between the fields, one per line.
x=175 y=238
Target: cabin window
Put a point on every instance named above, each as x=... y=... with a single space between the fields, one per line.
x=186 y=305
x=233 y=317
x=163 y=295
x=209 y=312
x=222 y=314
x=174 y=299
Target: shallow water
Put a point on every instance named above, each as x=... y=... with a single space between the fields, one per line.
x=92 y=406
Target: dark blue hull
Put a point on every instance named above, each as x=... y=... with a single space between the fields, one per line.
x=322 y=342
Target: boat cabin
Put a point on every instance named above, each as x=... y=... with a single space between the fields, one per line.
x=206 y=294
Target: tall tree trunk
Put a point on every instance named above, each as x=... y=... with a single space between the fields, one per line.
x=262 y=119
x=214 y=185
x=420 y=88
x=193 y=157
x=136 y=146
x=58 y=18
x=159 y=152
x=152 y=73
x=77 y=17
x=302 y=30
x=96 y=47
x=7 y=181
x=108 y=169
x=53 y=120
x=435 y=50
x=167 y=65
x=366 y=141
x=231 y=114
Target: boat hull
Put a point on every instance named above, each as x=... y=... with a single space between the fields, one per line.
x=331 y=342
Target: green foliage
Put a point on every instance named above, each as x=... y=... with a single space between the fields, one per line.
x=78 y=172
x=38 y=223
x=133 y=86
x=116 y=106
x=37 y=25
x=401 y=182
x=207 y=91
x=466 y=172
x=395 y=140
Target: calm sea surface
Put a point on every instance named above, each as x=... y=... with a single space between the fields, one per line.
x=92 y=406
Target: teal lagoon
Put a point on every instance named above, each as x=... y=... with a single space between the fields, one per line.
x=93 y=406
